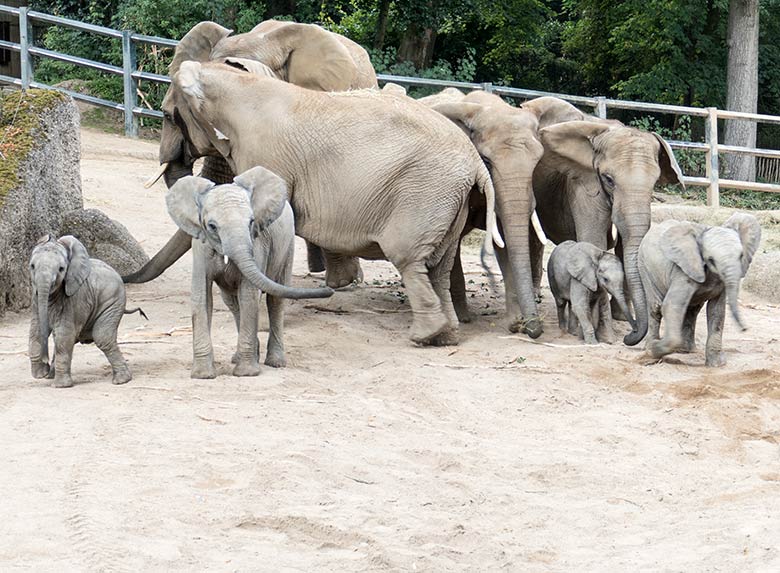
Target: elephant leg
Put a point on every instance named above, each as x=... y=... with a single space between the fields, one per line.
x=429 y=319
x=581 y=308
x=231 y=301
x=440 y=280
x=202 y=306
x=716 y=316
x=315 y=258
x=560 y=306
x=38 y=367
x=64 y=341
x=689 y=329
x=673 y=309
x=537 y=258
x=104 y=333
x=458 y=289
x=616 y=311
x=341 y=270
x=513 y=312
x=573 y=326
x=603 y=319
x=274 y=355
x=248 y=363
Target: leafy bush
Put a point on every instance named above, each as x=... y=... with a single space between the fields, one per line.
x=385 y=62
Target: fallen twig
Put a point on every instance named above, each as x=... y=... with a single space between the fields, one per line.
x=551 y=345
x=160 y=388
x=220 y=422
x=358 y=480
x=510 y=366
x=356 y=310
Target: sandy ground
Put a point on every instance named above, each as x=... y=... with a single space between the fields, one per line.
x=367 y=453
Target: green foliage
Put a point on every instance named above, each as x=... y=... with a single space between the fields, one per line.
x=385 y=62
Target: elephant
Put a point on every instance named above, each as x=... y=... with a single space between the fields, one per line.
x=683 y=265
x=243 y=238
x=369 y=174
x=580 y=276
x=506 y=139
x=595 y=173
x=77 y=299
x=302 y=54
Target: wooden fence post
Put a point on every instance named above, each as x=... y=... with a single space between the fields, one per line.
x=711 y=159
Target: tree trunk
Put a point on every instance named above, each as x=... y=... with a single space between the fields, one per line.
x=417 y=46
x=742 y=90
x=381 y=24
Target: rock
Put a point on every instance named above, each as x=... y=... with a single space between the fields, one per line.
x=105 y=239
x=39 y=181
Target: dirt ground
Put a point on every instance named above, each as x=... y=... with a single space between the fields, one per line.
x=368 y=453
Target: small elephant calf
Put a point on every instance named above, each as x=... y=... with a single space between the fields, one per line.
x=683 y=265
x=581 y=276
x=77 y=299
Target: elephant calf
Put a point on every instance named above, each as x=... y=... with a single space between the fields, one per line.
x=243 y=239
x=581 y=276
x=78 y=299
x=683 y=265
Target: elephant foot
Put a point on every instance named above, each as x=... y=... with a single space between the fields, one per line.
x=203 y=370
x=276 y=360
x=590 y=339
x=247 y=368
x=343 y=273
x=715 y=360
x=463 y=313
x=447 y=338
x=64 y=381
x=122 y=376
x=606 y=335
x=532 y=326
x=39 y=369
x=660 y=348
x=425 y=329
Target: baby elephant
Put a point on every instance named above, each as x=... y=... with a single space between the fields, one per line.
x=243 y=239
x=77 y=299
x=683 y=265
x=582 y=275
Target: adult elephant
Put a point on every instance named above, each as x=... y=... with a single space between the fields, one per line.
x=595 y=173
x=302 y=54
x=506 y=139
x=369 y=174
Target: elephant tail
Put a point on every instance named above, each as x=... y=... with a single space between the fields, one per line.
x=485 y=185
x=138 y=310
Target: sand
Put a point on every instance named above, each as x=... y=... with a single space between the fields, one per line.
x=367 y=453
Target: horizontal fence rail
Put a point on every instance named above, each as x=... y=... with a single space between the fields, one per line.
x=768 y=160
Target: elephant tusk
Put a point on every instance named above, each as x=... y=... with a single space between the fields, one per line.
x=538 y=227
x=226 y=260
x=614 y=234
x=152 y=180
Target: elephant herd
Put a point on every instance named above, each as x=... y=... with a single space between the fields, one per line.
x=298 y=139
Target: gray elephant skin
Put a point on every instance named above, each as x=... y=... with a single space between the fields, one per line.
x=685 y=265
x=243 y=239
x=302 y=54
x=581 y=275
x=595 y=173
x=77 y=299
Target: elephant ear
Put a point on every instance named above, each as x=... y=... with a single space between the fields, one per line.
x=573 y=141
x=582 y=264
x=670 y=169
x=188 y=79
x=551 y=110
x=184 y=200
x=463 y=114
x=251 y=66
x=267 y=193
x=749 y=235
x=310 y=57
x=197 y=44
x=680 y=244
x=79 y=264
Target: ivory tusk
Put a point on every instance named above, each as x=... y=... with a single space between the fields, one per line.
x=614 y=233
x=152 y=180
x=538 y=227
x=226 y=260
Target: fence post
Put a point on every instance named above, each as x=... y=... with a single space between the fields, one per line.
x=24 y=48
x=487 y=87
x=130 y=86
x=601 y=107
x=712 y=168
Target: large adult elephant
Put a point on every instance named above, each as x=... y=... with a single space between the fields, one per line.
x=369 y=174
x=302 y=54
x=506 y=139
x=595 y=173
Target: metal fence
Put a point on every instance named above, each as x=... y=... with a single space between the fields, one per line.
x=768 y=159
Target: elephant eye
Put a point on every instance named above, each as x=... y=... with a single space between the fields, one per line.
x=609 y=182
x=711 y=261
x=62 y=269
x=167 y=116
x=32 y=266
x=251 y=222
x=212 y=227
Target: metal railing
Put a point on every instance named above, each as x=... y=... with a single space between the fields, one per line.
x=130 y=74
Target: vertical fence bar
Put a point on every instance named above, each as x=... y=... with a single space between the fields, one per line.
x=24 y=48
x=601 y=107
x=130 y=86
x=711 y=158
x=488 y=87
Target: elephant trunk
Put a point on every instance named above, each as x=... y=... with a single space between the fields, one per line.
x=240 y=252
x=731 y=278
x=632 y=228
x=620 y=297
x=177 y=168
x=173 y=250
x=515 y=205
x=42 y=287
